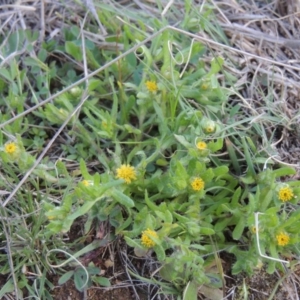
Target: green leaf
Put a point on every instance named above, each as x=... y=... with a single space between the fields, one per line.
x=251 y=145
x=131 y=59
x=265 y=198
x=94 y=84
x=239 y=228
x=93 y=270
x=206 y=231
x=181 y=174
x=167 y=272
x=247 y=180
x=216 y=66
x=83 y=169
x=198 y=247
x=45 y=175
x=73 y=50
x=248 y=158
x=236 y=197
x=294 y=184
x=64 y=278
x=215 y=280
x=42 y=55
x=215 y=146
x=165 y=216
x=168 y=217
x=122 y=198
x=191 y=291
x=284 y=172
x=81 y=279
x=160 y=116
x=82 y=210
x=221 y=225
x=160 y=252
x=132 y=129
x=124 y=225
x=181 y=218
x=222 y=170
x=132 y=243
x=5 y=74
x=271 y=263
x=292 y=223
x=92 y=61
x=233 y=157
x=208 y=175
x=252 y=205
x=149 y=203
x=8 y=287
x=181 y=139
x=211 y=293
x=64 y=225
x=161 y=162
x=102 y=281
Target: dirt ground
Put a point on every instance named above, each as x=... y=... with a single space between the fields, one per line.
x=259 y=287
x=69 y=292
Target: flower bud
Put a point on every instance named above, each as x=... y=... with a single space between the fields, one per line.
x=209 y=126
x=75 y=91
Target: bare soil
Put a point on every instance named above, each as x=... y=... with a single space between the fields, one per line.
x=68 y=291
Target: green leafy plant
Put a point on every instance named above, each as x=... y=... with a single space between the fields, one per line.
x=154 y=148
x=84 y=277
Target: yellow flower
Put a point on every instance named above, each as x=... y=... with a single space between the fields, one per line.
x=10 y=148
x=151 y=86
x=197 y=184
x=146 y=240
x=204 y=86
x=85 y=182
x=285 y=194
x=51 y=217
x=282 y=239
x=253 y=229
x=104 y=124
x=201 y=145
x=127 y=173
x=210 y=129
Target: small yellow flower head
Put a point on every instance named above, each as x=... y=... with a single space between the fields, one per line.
x=146 y=240
x=127 y=173
x=253 y=229
x=282 y=239
x=204 y=86
x=197 y=184
x=201 y=145
x=104 y=124
x=51 y=217
x=85 y=182
x=210 y=127
x=10 y=148
x=151 y=86
x=285 y=194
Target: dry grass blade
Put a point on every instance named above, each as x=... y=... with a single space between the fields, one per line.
x=272 y=32
x=91 y=7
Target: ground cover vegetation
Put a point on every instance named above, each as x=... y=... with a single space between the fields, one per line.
x=142 y=139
